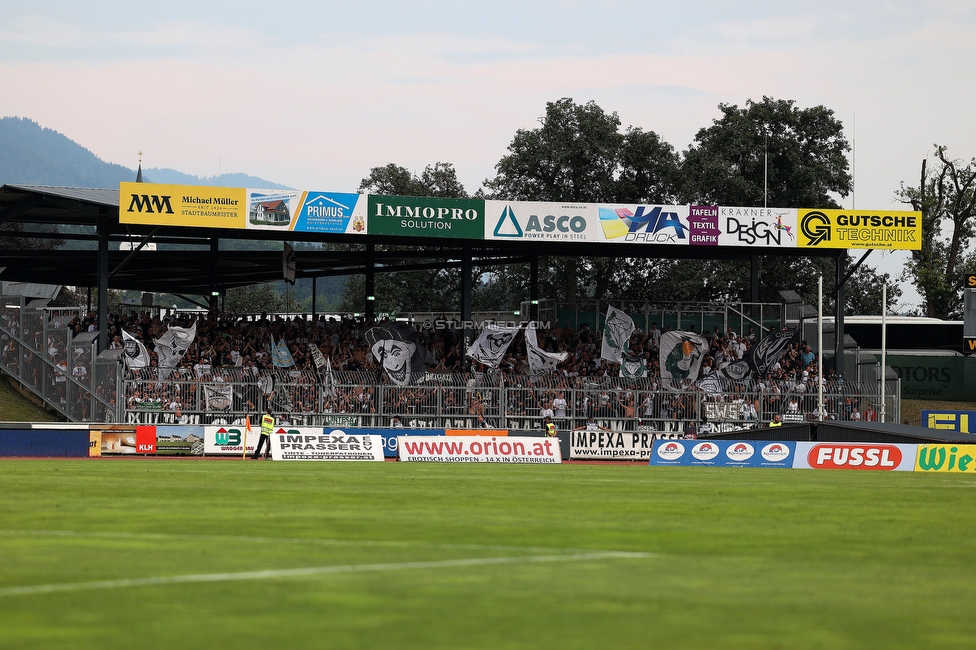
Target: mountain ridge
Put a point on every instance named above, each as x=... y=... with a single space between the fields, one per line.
x=31 y=154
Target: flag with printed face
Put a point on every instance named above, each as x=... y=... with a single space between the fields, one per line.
x=617 y=331
x=764 y=354
x=540 y=361
x=490 y=347
x=281 y=355
x=681 y=357
x=633 y=367
x=136 y=355
x=398 y=349
x=172 y=345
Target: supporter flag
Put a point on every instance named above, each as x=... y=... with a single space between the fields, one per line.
x=171 y=347
x=736 y=370
x=540 y=361
x=617 y=331
x=681 y=357
x=771 y=349
x=399 y=352
x=633 y=367
x=317 y=357
x=218 y=397
x=136 y=355
x=490 y=347
x=280 y=354
x=281 y=398
x=330 y=384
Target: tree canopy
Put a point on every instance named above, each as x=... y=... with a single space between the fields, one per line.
x=946 y=197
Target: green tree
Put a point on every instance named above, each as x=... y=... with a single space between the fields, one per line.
x=946 y=197
x=253 y=299
x=801 y=152
x=439 y=180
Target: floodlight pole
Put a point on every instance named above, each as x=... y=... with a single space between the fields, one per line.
x=884 y=346
x=820 y=366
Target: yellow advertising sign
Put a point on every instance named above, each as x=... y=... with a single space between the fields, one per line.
x=182 y=205
x=884 y=229
x=946 y=458
x=94 y=444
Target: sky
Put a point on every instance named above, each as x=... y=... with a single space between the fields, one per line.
x=314 y=94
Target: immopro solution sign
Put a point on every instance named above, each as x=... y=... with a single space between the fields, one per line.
x=412 y=216
x=884 y=229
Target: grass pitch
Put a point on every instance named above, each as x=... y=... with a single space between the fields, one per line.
x=203 y=554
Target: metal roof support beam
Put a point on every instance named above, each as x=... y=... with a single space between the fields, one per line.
x=138 y=248
x=466 y=290
x=214 y=272
x=839 y=313
x=534 y=288
x=103 y=232
x=370 y=297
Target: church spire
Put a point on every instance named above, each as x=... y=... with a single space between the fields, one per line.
x=139 y=173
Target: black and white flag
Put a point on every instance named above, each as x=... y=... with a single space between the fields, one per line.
x=218 y=397
x=763 y=355
x=171 y=347
x=681 y=356
x=617 y=331
x=490 y=347
x=540 y=361
x=136 y=355
x=399 y=351
x=633 y=367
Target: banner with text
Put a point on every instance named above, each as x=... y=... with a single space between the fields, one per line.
x=413 y=216
x=479 y=449
x=182 y=205
x=884 y=229
x=859 y=456
x=307 y=443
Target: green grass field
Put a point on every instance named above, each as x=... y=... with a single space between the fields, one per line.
x=204 y=554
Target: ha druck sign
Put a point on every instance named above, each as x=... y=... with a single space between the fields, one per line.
x=325 y=444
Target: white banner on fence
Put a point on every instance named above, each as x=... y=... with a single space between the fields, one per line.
x=479 y=449
x=325 y=444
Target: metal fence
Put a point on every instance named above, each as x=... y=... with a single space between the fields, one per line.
x=493 y=400
x=47 y=357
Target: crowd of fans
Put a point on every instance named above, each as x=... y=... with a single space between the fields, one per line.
x=238 y=350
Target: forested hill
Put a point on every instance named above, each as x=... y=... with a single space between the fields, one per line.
x=33 y=155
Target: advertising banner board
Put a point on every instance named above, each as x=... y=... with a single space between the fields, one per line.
x=324 y=444
x=645 y=224
x=612 y=445
x=542 y=221
x=961 y=421
x=724 y=453
x=182 y=205
x=765 y=227
x=229 y=440
x=479 y=449
x=856 y=456
x=389 y=436
x=311 y=211
x=884 y=229
x=412 y=216
x=946 y=458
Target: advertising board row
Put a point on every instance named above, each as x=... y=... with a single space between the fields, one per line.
x=403 y=216
x=816 y=455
